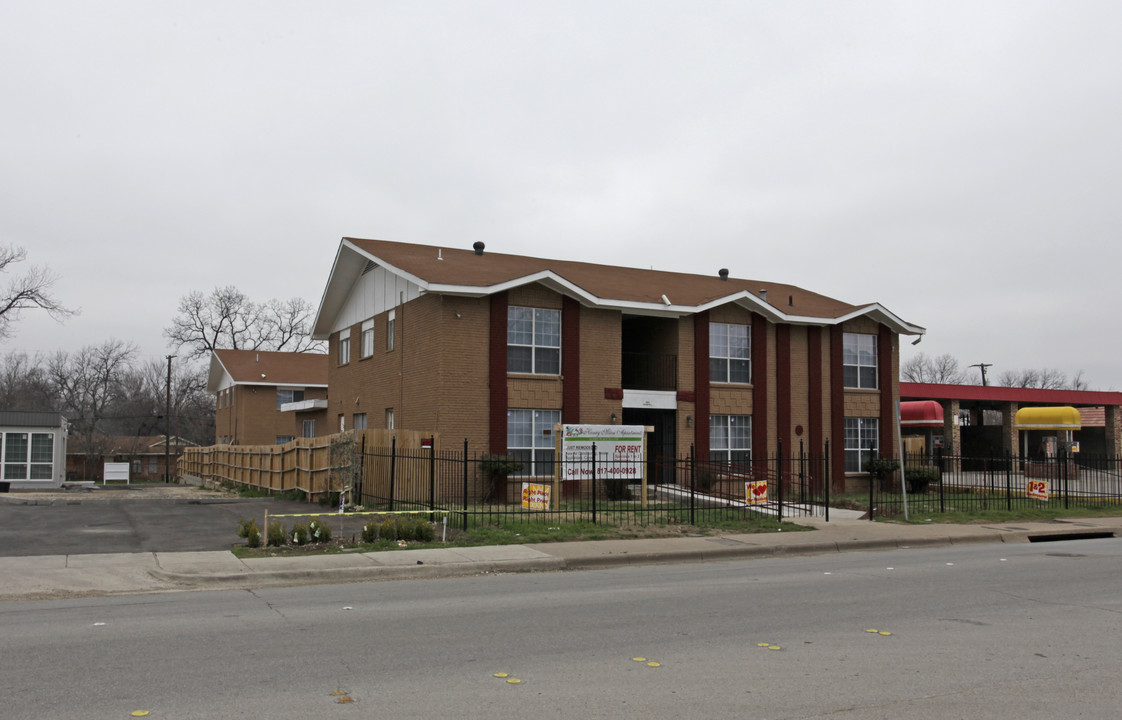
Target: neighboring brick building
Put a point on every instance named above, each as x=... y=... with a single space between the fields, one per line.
x=146 y=456
x=265 y=398
x=497 y=348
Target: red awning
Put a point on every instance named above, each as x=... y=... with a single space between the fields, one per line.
x=921 y=413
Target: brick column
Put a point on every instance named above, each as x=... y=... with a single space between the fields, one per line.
x=1011 y=436
x=952 y=432
x=496 y=375
x=1114 y=430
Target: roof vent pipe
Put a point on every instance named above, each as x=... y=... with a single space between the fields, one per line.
x=763 y=294
x=791 y=300
x=724 y=273
x=478 y=247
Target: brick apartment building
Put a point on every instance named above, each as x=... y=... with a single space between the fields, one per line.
x=264 y=398
x=498 y=348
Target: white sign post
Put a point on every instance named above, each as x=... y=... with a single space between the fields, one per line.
x=620 y=451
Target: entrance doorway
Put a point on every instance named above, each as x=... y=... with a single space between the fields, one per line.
x=663 y=442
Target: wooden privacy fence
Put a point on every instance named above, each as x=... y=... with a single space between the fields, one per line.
x=302 y=464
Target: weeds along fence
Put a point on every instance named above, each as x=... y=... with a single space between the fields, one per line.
x=483 y=489
x=315 y=466
x=944 y=483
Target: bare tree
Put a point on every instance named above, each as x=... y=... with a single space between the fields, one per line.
x=226 y=318
x=24 y=384
x=89 y=384
x=1042 y=379
x=942 y=369
x=28 y=291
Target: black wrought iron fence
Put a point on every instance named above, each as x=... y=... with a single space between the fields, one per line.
x=942 y=483
x=483 y=489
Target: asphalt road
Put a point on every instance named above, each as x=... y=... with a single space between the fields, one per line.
x=84 y=526
x=994 y=631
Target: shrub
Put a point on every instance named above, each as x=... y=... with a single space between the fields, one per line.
x=248 y=529
x=370 y=532
x=920 y=476
x=318 y=531
x=423 y=530
x=704 y=479
x=616 y=489
x=300 y=534
x=275 y=534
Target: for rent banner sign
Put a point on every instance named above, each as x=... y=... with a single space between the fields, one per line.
x=619 y=451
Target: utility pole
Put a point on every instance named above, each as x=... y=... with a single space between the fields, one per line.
x=167 y=426
x=982 y=367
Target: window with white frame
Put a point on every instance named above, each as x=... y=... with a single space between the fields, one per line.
x=730 y=439
x=533 y=338
x=368 y=338
x=308 y=428
x=27 y=456
x=391 y=324
x=342 y=423
x=529 y=437
x=861 y=443
x=344 y=346
x=730 y=353
x=287 y=395
x=359 y=421
x=859 y=357
x=389 y=418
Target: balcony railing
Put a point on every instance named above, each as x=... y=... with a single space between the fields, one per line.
x=649 y=371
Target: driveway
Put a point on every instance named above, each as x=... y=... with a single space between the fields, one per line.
x=130 y=521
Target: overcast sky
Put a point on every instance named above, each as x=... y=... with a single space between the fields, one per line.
x=958 y=162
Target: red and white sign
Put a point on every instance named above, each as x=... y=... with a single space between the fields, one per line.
x=1037 y=489
x=755 y=492
x=535 y=496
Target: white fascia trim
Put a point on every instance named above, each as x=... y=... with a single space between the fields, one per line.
x=885 y=316
x=258 y=383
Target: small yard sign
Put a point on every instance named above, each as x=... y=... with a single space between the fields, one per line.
x=535 y=496
x=1037 y=489
x=755 y=492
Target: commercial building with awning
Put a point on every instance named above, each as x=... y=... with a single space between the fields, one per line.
x=981 y=420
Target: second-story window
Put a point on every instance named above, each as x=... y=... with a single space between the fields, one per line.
x=859 y=357
x=730 y=353
x=287 y=395
x=533 y=338
x=368 y=338
x=345 y=346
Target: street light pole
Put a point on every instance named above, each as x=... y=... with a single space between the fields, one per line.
x=167 y=426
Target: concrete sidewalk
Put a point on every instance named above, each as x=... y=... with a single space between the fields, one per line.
x=64 y=576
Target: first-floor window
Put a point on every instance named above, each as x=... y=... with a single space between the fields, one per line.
x=282 y=439
x=529 y=437
x=389 y=418
x=730 y=439
x=359 y=421
x=309 y=428
x=861 y=442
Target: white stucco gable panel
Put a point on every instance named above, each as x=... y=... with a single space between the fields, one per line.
x=374 y=293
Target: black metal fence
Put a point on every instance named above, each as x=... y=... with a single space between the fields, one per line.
x=478 y=489
x=953 y=483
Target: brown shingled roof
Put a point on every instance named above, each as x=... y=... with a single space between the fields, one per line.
x=278 y=368
x=464 y=268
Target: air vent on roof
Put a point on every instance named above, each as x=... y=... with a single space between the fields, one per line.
x=370 y=265
x=763 y=294
x=724 y=273
x=478 y=247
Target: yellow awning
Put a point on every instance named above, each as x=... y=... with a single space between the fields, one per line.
x=1047 y=418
